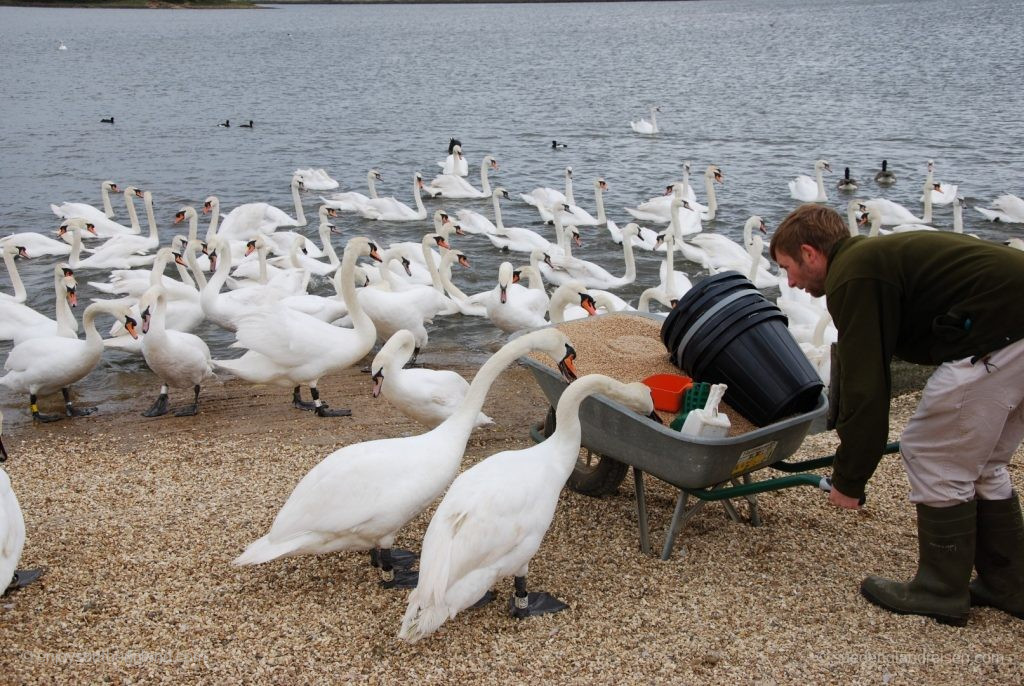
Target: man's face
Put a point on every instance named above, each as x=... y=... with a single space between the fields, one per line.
x=807 y=273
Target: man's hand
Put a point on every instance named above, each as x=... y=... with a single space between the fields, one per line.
x=844 y=501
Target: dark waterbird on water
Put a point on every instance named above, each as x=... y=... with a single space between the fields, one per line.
x=226 y=123
x=247 y=126
x=108 y=120
x=555 y=145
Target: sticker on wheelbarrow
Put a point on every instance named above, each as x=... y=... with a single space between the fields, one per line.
x=754 y=457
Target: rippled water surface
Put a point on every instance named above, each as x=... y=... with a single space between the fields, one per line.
x=761 y=89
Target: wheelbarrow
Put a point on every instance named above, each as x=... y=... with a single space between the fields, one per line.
x=703 y=469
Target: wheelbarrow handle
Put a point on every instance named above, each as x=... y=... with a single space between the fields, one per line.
x=826 y=485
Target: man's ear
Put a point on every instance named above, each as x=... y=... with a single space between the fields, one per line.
x=808 y=253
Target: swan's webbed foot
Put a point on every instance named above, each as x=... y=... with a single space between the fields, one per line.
x=39 y=416
x=193 y=409
x=323 y=411
x=522 y=604
x=401 y=559
x=22 y=578
x=159 y=407
x=485 y=599
x=299 y=403
x=393 y=575
x=72 y=411
x=399 y=578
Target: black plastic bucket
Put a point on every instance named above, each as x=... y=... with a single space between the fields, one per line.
x=725 y=331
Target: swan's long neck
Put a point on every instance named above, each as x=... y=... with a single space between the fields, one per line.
x=958 y=217
x=599 y=199
x=76 y=246
x=200 y=278
x=108 y=209
x=20 y=294
x=211 y=230
x=371 y=183
x=261 y=254
x=851 y=219
x=428 y=259
x=129 y=201
x=154 y=234
x=420 y=209
x=300 y=215
x=445 y=276
x=568 y=430
x=819 y=175
x=157 y=272
x=158 y=322
x=563 y=238
x=293 y=254
x=709 y=188
x=485 y=184
x=629 y=257
x=328 y=247
x=675 y=230
x=361 y=321
x=818 y=339
x=209 y=292
x=498 y=224
x=685 y=192
x=927 y=216
x=92 y=336
x=876 y=223
x=560 y=299
x=193 y=226
x=654 y=119
x=754 y=247
x=534 y=280
x=67 y=325
x=670 y=273
x=569 y=197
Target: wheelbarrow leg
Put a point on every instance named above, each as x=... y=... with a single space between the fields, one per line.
x=679 y=519
x=755 y=513
x=641 y=511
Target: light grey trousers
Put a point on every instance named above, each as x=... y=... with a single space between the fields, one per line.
x=968 y=425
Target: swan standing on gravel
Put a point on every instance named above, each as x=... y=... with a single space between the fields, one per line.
x=428 y=396
x=641 y=125
x=806 y=189
x=19 y=322
x=12 y=532
x=289 y=348
x=454 y=186
x=179 y=359
x=351 y=201
x=1006 y=208
x=40 y=366
x=495 y=515
x=361 y=495
x=390 y=209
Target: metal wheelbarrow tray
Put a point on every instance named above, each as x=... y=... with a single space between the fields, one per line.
x=707 y=469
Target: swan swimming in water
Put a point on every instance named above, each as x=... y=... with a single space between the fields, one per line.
x=641 y=125
x=494 y=516
x=360 y=496
x=806 y=189
x=1006 y=208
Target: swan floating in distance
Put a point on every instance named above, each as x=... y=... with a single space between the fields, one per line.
x=641 y=125
x=846 y=183
x=885 y=177
x=658 y=209
x=516 y=238
x=495 y=515
x=725 y=255
x=428 y=396
x=1007 y=208
x=360 y=496
x=890 y=213
x=390 y=209
x=574 y=215
x=454 y=186
x=60 y=46
x=806 y=189
x=286 y=347
x=41 y=366
x=248 y=221
x=455 y=164
x=315 y=179
x=179 y=359
x=544 y=196
x=351 y=201
x=941 y=193
x=101 y=219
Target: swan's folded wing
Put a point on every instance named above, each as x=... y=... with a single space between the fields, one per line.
x=286 y=336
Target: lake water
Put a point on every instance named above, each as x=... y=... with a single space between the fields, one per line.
x=761 y=89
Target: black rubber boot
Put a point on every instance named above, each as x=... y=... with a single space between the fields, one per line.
x=946 y=537
x=999 y=557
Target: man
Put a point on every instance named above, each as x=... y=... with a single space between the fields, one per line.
x=930 y=298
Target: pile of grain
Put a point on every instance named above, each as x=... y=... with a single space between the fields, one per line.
x=629 y=348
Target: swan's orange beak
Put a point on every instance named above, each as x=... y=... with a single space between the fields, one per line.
x=718 y=177
x=763 y=230
x=72 y=296
x=145 y=320
x=464 y=261
x=249 y=247
x=577 y=240
x=179 y=260
x=213 y=260
x=22 y=252
x=91 y=228
x=517 y=276
x=207 y=208
x=458 y=230
x=567 y=365
x=442 y=242
x=588 y=304
x=179 y=217
x=378 y=383
x=374 y=254
x=129 y=326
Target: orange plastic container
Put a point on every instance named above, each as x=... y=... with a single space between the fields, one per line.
x=667 y=390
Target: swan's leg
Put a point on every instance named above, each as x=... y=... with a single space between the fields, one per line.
x=39 y=416
x=412 y=360
x=298 y=402
x=73 y=411
x=160 y=405
x=321 y=407
x=391 y=577
x=402 y=559
x=21 y=579
x=192 y=409
x=522 y=604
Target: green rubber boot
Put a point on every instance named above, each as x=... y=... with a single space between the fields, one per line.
x=946 y=537
x=999 y=557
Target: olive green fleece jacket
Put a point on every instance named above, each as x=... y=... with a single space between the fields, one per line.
x=924 y=296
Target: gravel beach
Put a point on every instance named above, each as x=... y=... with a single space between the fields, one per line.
x=136 y=521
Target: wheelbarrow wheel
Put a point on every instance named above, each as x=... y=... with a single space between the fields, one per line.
x=595 y=475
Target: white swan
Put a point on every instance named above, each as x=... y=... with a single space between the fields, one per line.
x=324 y=308
x=673 y=284
x=641 y=125
x=545 y=197
x=428 y=396
x=132 y=244
x=38 y=245
x=390 y=209
x=109 y=260
x=806 y=189
x=315 y=179
x=494 y=516
x=516 y=238
x=456 y=163
x=248 y=221
x=12 y=524
x=454 y=186
x=472 y=221
x=351 y=201
x=1007 y=208
x=645 y=239
x=658 y=208
x=594 y=275
x=105 y=226
x=724 y=254
x=289 y=348
x=941 y=193
x=19 y=322
x=575 y=215
x=287 y=280
x=179 y=359
x=892 y=214
x=876 y=216
x=361 y=495
x=9 y=252
x=226 y=309
x=40 y=366
x=513 y=307
x=298 y=257
x=470 y=306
